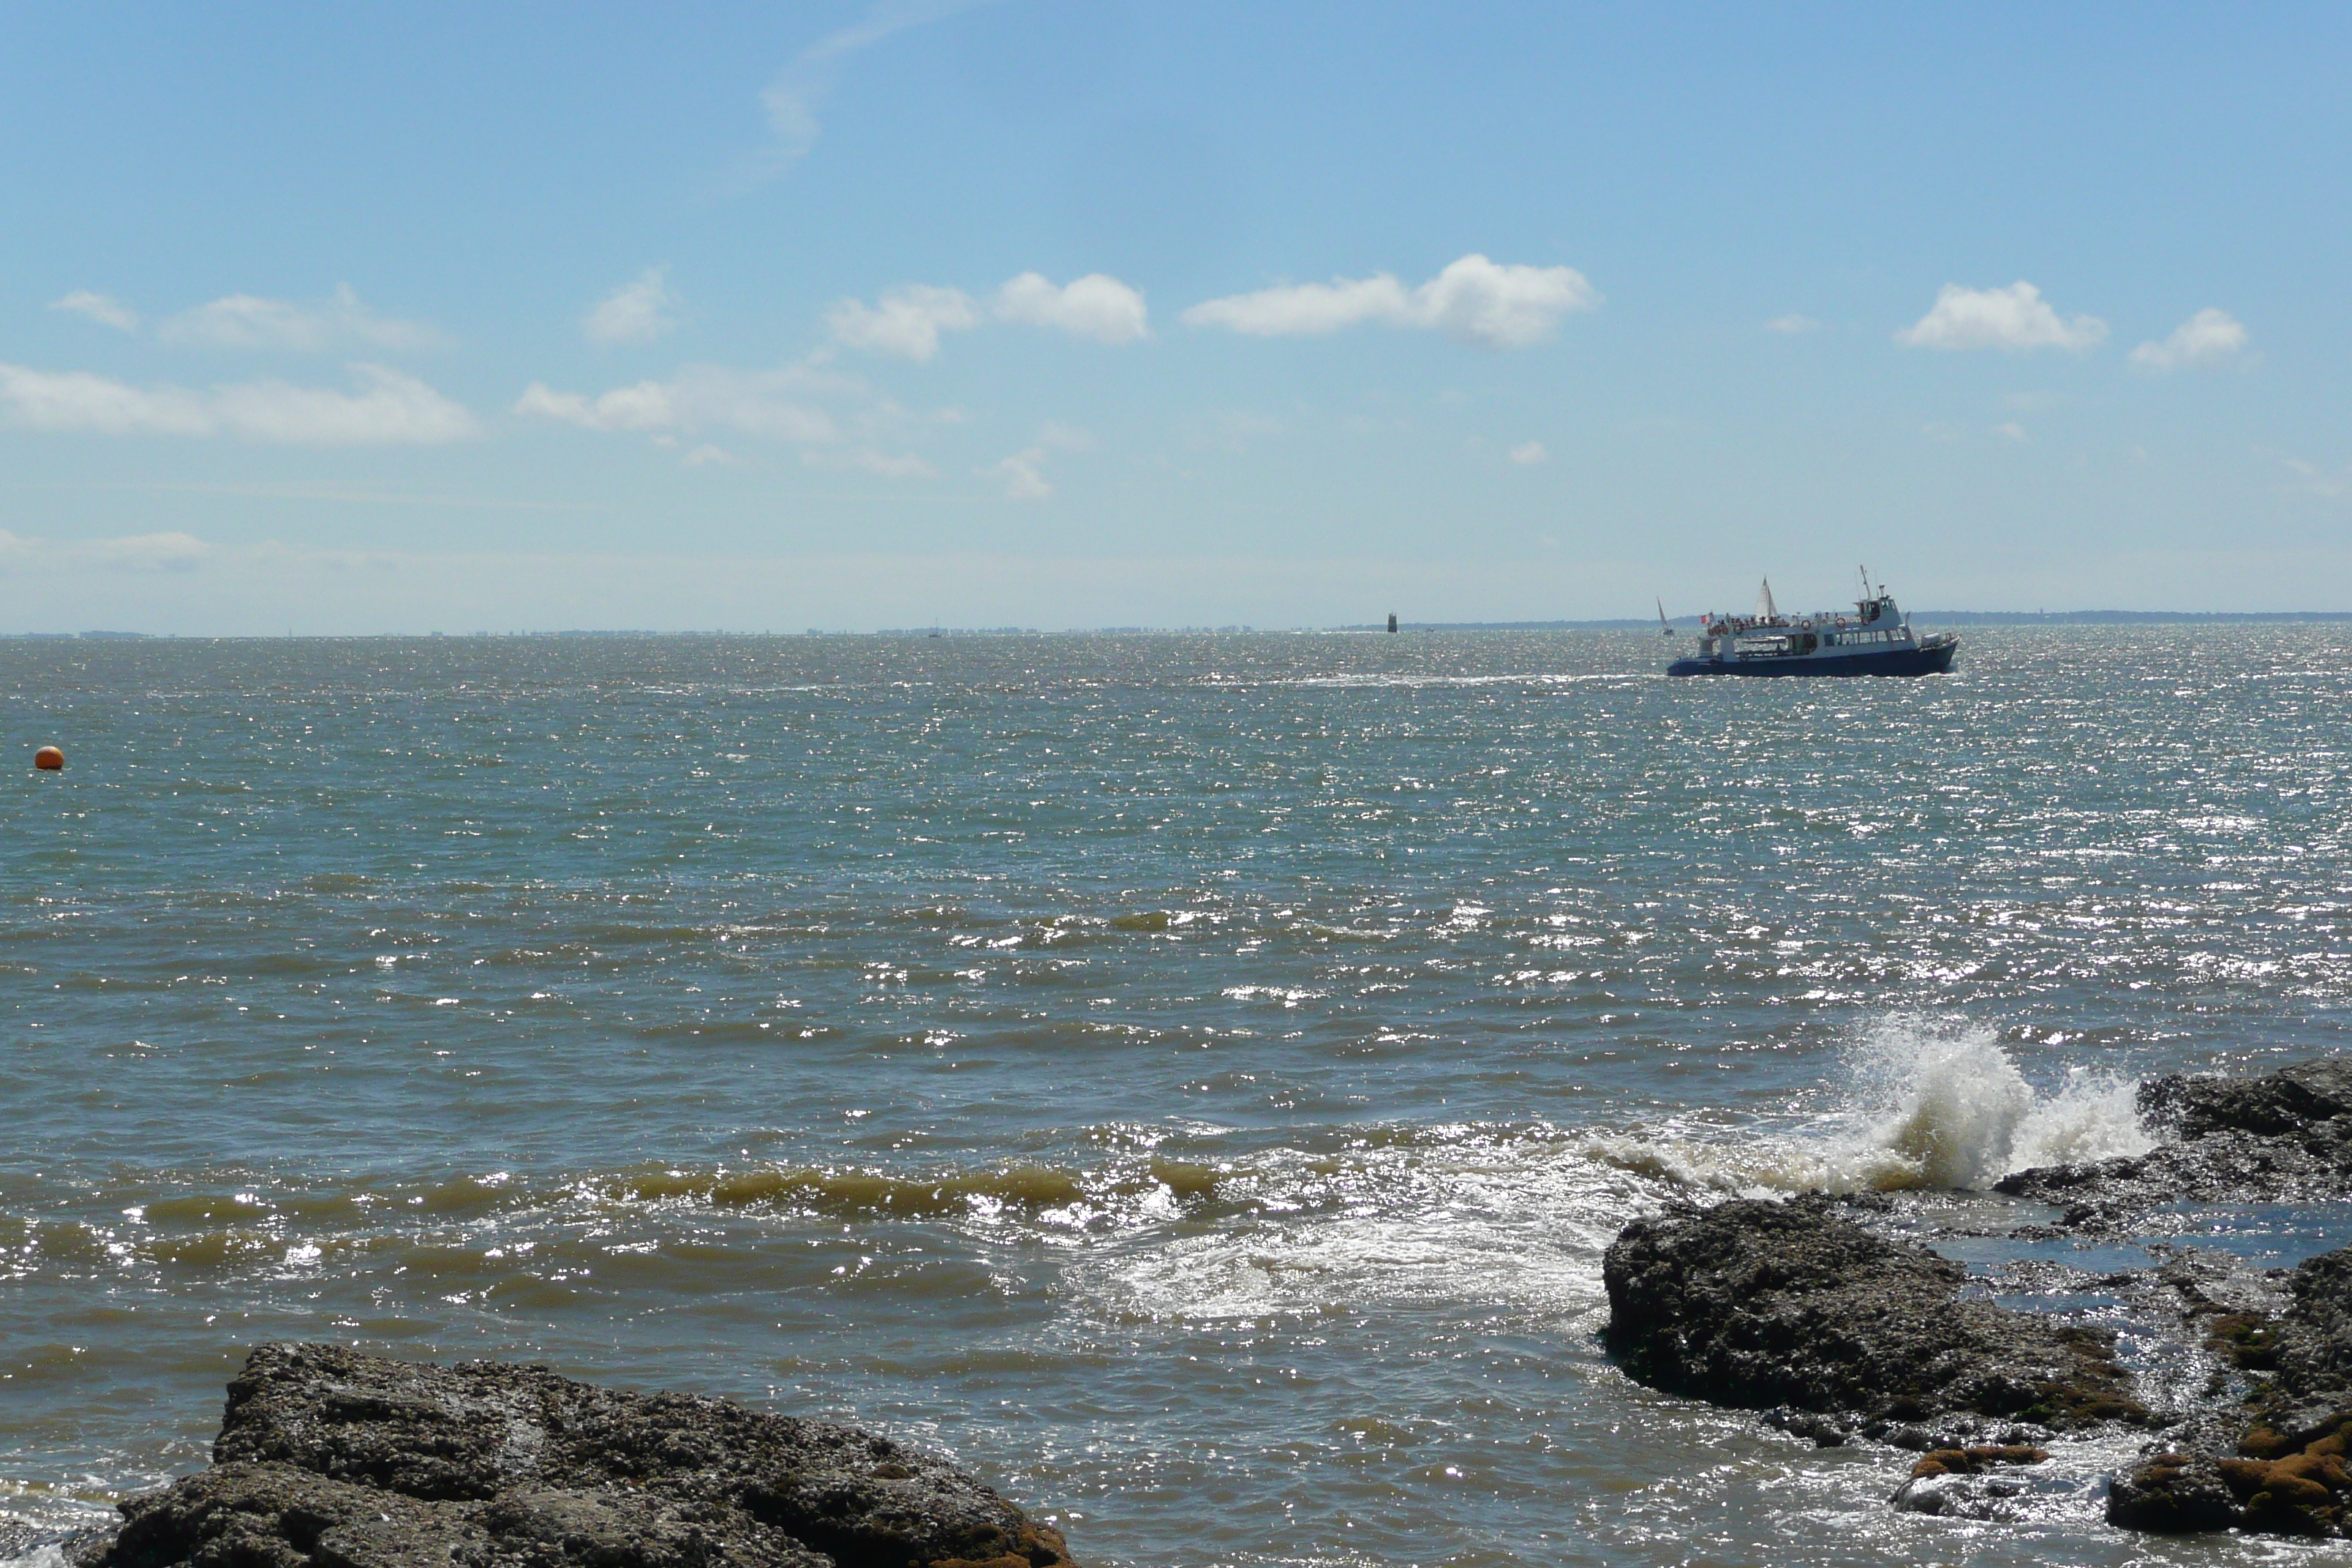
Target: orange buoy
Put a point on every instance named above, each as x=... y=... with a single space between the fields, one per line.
x=49 y=757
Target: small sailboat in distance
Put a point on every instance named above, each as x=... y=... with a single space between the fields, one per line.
x=1665 y=627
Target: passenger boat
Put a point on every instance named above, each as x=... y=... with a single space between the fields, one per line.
x=1876 y=639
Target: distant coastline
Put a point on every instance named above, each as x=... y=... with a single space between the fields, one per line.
x=1930 y=618
x=1940 y=617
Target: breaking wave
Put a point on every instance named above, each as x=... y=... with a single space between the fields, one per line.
x=1929 y=1104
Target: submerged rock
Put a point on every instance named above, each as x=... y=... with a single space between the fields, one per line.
x=1755 y=1304
x=329 y=1458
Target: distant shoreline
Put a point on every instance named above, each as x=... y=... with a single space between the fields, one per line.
x=1941 y=617
x=1933 y=617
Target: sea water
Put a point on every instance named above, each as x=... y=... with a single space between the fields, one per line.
x=1189 y=1080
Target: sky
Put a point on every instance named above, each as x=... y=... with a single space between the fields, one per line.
x=421 y=318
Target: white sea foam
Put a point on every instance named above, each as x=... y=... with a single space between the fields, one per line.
x=1517 y=1221
x=1932 y=1103
x=1945 y=1106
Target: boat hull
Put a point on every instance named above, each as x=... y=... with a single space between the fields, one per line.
x=1937 y=661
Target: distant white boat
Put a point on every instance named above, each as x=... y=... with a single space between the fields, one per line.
x=1876 y=639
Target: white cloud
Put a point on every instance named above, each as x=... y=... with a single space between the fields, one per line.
x=906 y=322
x=1096 y=306
x=2010 y=431
x=128 y=553
x=2013 y=318
x=1021 y=475
x=1527 y=454
x=836 y=420
x=1064 y=437
x=636 y=313
x=246 y=322
x=779 y=403
x=99 y=308
x=387 y=409
x=1475 y=300
x=799 y=90
x=645 y=406
x=1793 y=324
x=704 y=456
x=2208 y=338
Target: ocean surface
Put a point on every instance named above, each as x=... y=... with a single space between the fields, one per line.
x=1189 y=1080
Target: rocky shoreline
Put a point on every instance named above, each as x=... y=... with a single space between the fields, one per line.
x=331 y=1458
x=1812 y=1312
x=1833 y=1316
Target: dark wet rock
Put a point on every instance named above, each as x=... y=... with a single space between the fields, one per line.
x=2314 y=1098
x=328 y=1458
x=1970 y=1483
x=1755 y=1305
x=2284 y=1136
x=1823 y=1432
x=2279 y=1466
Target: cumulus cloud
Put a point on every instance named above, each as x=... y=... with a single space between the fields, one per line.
x=906 y=322
x=636 y=313
x=246 y=322
x=1096 y=306
x=387 y=408
x=102 y=309
x=1527 y=454
x=1475 y=300
x=128 y=552
x=2209 y=339
x=1792 y=325
x=2013 y=318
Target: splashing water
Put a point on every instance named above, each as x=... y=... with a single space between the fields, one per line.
x=1936 y=1104
x=1944 y=1106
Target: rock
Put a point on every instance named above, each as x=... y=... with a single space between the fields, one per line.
x=1824 y=1432
x=1753 y=1304
x=24 y=1543
x=2280 y=1467
x=329 y=1458
x=2283 y=1136
x=2298 y=1099
x=2174 y=1493
x=1946 y=1481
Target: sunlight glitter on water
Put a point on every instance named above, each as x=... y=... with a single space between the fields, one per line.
x=1157 y=1070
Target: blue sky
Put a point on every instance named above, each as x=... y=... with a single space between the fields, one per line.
x=416 y=318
